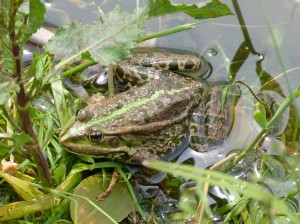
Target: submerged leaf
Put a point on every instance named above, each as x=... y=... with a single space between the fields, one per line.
x=204 y=10
x=108 y=41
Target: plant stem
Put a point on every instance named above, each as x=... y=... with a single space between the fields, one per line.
x=169 y=31
x=78 y=68
x=255 y=96
x=110 y=74
x=131 y=191
x=33 y=148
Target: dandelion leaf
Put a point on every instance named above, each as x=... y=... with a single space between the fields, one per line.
x=108 y=41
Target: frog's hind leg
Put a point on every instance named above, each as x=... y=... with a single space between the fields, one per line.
x=198 y=140
x=216 y=117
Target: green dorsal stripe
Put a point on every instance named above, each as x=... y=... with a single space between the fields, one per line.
x=128 y=107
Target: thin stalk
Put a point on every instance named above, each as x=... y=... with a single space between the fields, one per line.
x=254 y=95
x=170 y=31
x=286 y=103
x=77 y=68
x=110 y=75
x=251 y=146
x=136 y=203
x=201 y=206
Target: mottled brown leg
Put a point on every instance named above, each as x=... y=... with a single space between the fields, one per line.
x=216 y=116
x=198 y=140
x=111 y=186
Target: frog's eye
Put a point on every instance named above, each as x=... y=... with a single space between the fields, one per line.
x=96 y=136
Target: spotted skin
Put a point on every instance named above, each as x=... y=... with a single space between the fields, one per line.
x=143 y=67
x=153 y=116
x=216 y=117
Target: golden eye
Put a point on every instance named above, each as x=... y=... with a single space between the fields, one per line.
x=95 y=136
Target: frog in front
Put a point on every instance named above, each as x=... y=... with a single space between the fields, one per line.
x=150 y=119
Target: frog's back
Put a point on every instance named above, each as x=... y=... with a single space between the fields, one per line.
x=167 y=99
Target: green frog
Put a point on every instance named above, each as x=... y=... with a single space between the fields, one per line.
x=159 y=109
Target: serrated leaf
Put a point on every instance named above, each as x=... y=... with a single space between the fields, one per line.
x=260 y=115
x=8 y=63
x=35 y=20
x=204 y=10
x=108 y=41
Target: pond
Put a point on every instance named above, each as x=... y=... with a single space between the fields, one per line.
x=255 y=49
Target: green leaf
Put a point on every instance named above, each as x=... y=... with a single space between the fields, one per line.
x=247 y=189
x=21 y=139
x=63 y=112
x=23 y=208
x=60 y=173
x=35 y=20
x=39 y=66
x=6 y=88
x=108 y=41
x=238 y=208
x=205 y=10
x=8 y=63
x=23 y=188
x=260 y=115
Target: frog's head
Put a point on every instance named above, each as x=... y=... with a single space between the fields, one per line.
x=87 y=138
